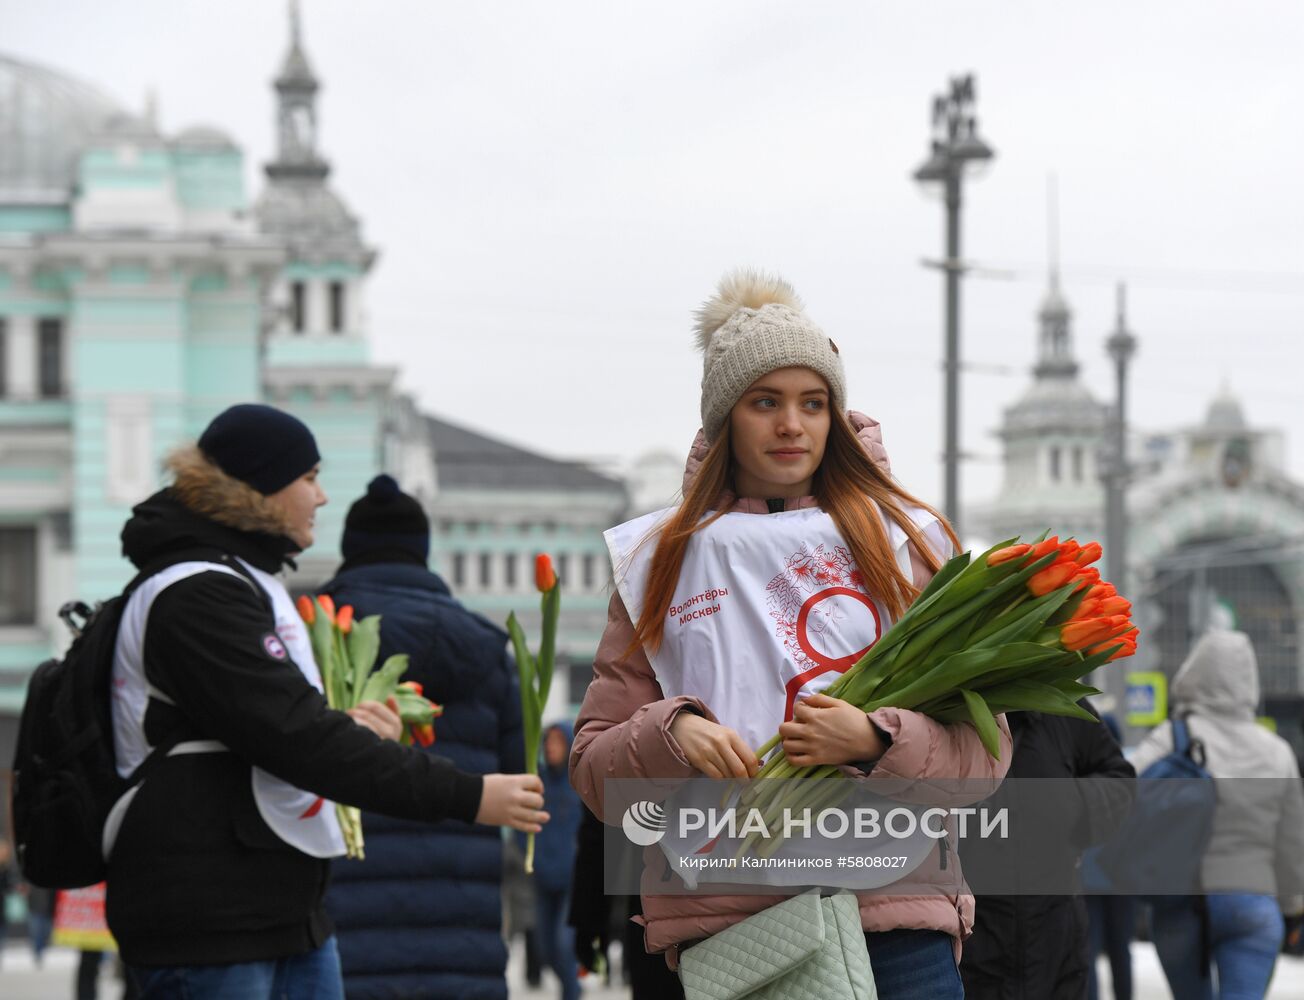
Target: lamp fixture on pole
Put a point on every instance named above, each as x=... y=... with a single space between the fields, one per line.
x=955 y=147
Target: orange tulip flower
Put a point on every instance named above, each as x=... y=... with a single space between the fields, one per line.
x=1089 y=608
x=1068 y=550
x=545 y=577
x=1051 y=578
x=1045 y=548
x=1080 y=635
x=1089 y=554
x=1101 y=591
x=307 y=610
x=413 y=686
x=327 y=606
x=344 y=620
x=1116 y=606
x=1006 y=554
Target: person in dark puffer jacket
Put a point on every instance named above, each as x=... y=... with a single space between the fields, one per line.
x=421 y=917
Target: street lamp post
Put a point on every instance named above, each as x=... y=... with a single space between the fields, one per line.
x=955 y=146
x=1120 y=346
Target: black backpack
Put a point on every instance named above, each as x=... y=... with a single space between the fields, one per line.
x=65 y=778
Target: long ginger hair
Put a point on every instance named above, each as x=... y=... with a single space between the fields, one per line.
x=847 y=485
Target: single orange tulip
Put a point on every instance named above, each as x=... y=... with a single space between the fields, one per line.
x=1045 y=548
x=545 y=577
x=1080 y=635
x=344 y=620
x=1006 y=554
x=1090 y=574
x=1115 y=606
x=1051 y=578
x=424 y=734
x=1089 y=554
x=307 y=610
x=1086 y=610
x=327 y=606
x=1101 y=591
x=1068 y=550
x=413 y=686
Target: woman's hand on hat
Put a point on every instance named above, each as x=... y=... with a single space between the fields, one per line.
x=828 y=730
x=715 y=750
x=381 y=719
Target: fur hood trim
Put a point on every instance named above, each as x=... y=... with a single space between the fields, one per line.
x=745 y=288
x=205 y=489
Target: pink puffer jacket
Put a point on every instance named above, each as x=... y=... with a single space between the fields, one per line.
x=623 y=731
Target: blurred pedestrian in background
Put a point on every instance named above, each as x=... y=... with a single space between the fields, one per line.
x=8 y=883
x=1111 y=920
x=554 y=859
x=595 y=915
x=422 y=915
x=40 y=920
x=1034 y=947
x=1224 y=943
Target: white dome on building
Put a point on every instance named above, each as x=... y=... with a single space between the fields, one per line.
x=45 y=119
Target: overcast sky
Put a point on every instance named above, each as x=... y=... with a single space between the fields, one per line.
x=555 y=186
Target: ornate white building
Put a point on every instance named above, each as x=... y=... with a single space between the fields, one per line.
x=1215 y=523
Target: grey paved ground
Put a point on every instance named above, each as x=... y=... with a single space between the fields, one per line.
x=20 y=980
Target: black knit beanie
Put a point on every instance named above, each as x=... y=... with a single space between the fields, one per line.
x=260 y=445
x=385 y=521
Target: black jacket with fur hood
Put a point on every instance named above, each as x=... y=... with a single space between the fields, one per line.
x=196 y=876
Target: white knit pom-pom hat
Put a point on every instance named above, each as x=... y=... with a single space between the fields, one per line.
x=754 y=324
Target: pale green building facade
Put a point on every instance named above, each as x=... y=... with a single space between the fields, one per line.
x=143 y=290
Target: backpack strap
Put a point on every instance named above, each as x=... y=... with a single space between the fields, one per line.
x=174 y=739
x=1181 y=736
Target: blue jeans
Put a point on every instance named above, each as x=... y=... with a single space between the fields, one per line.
x=914 y=965
x=556 y=939
x=1245 y=934
x=1110 y=923
x=314 y=976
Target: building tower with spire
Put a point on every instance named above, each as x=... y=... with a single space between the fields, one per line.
x=1051 y=438
x=316 y=353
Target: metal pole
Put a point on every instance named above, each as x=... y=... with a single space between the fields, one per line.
x=951 y=451
x=1120 y=345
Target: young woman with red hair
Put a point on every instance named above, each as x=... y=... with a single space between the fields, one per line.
x=792 y=551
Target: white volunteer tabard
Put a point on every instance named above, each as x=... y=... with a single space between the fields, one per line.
x=301 y=819
x=769 y=608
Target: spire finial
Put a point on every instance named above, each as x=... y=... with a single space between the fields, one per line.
x=1121 y=299
x=294 y=24
x=1052 y=228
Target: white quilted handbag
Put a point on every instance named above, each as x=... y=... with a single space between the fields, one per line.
x=805 y=948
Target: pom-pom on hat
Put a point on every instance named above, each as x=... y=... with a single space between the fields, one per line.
x=260 y=445
x=386 y=522
x=754 y=324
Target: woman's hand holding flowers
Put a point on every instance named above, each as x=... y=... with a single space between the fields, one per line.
x=828 y=730
x=715 y=750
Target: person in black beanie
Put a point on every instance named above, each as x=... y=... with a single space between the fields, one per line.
x=218 y=861
x=422 y=915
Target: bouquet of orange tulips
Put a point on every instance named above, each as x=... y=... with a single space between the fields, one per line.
x=346 y=651
x=1016 y=629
